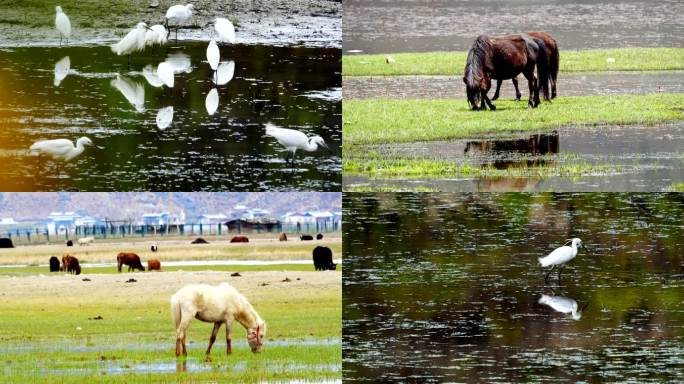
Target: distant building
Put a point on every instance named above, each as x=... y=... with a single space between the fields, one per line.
x=322 y=218
x=155 y=219
x=209 y=218
x=255 y=214
x=7 y=221
x=62 y=222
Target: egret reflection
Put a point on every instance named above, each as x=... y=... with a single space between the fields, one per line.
x=212 y=101
x=562 y=304
x=151 y=76
x=62 y=70
x=224 y=73
x=165 y=74
x=134 y=92
x=164 y=117
x=180 y=62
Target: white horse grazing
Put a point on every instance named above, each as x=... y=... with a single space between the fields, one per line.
x=86 y=240
x=215 y=304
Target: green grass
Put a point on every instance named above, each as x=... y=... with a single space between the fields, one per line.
x=377 y=121
x=452 y=63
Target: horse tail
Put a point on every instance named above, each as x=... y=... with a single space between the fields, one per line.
x=555 y=63
x=543 y=69
x=176 y=311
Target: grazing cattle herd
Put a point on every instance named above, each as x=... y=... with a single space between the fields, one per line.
x=322 y=256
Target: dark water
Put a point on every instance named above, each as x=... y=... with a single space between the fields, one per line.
x=447 y=288
x=420 y=25
x=292 y=87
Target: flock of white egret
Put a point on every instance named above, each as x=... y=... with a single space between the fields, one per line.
x=138 y=39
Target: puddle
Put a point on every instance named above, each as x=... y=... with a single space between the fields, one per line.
x=447 y=288
x=634 y=158
x=416 y=25
x=451 y=87
x=139 y=142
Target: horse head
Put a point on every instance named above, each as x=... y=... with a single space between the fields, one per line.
x=255 y=337
x=474 y=74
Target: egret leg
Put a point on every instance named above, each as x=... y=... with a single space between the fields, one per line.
x=60 y=39
x=547 y=275
x=560 y=270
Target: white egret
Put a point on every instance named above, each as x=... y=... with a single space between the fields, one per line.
x=560 y=256
x=133 y=91
x=62 y=70
x=60 y=149
x=156 y=35
x=165 y=73
x=151 y=76
x=62 y=24
x=563 y=305
x=213 y=54
x=293 y=140
x=165 y=117
x=225 y=30
x=224 y=73
x=212 y=101
x=178 y=14
x=133 y=41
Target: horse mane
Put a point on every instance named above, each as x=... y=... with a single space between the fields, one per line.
x=476 y=58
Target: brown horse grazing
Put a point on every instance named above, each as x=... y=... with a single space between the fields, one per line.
x=239 y=239
x=554 y=56
x=153 y=265
x=70 y=264
x=130 y=259
x=282 y=237
x=503 y=58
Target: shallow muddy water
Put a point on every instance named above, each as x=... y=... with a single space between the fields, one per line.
x=419 y=25
x=447 y=288
x=449 y=87
x=625 y=158
x=148 y=136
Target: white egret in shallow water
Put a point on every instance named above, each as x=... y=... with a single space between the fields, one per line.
x=62 y=24
x=151 y=76
x=213 y=54
x=156 y=35
x=561 y=255
x=224 y=73
x=293 y=140
x=62 y=70
x=60 y=149
x=178 y=14
x=133 y=91
x=134 y=41
x=165 y=73
x=165 y=117
x=212 y=101
x=563 y=305
x=225 y=30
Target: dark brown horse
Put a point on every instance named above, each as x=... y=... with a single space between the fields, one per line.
x=239 y=239
x=70 y=264
x=554 y=61
x=130 y=259
x=503 y=58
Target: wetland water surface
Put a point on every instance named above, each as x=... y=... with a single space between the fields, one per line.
x=447 y=288
x=124 y=111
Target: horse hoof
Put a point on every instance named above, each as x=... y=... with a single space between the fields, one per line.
x=492 y=107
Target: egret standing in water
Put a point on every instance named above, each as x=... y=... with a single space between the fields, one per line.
x=213 y=55
x=63 y=25
x=225 y=30
x=156 y=35
x=60 y=149
x=133 y=41
x=560 y=256
x=293 y=140
x=179 y=14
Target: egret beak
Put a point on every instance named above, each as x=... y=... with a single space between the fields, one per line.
x=585 y=248
x=148 y=28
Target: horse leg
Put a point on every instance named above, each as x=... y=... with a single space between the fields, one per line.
x=531 y=82
x=181 y=333
x=498 y=87
x=485 y=99
x=229 y=336
x=212 y=339
x=518 y=95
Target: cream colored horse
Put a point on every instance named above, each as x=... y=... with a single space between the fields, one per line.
x=219 y=305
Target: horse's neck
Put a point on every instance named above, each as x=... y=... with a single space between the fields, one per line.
x=248 y=317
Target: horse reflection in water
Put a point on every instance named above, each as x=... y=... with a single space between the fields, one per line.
x=181 y=365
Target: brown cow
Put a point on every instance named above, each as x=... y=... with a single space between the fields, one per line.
x=130 y=259
x=70 y=264
x=282 y=237
x=239 y=239
x=153 y=265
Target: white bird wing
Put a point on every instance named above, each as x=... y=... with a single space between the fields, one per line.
x=225 y=30
x=63 y=24
x=130 y=42
x=151 y=76
x=165 y=73
x=288 y=138
x=224 y=73
x=57 y=148
x=212 y=101
x=559 y=255
x=213 y=55
x=164 y=117
x=62 y=70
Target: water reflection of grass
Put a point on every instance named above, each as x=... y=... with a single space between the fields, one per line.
x=452 y=63
x=387 y=121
